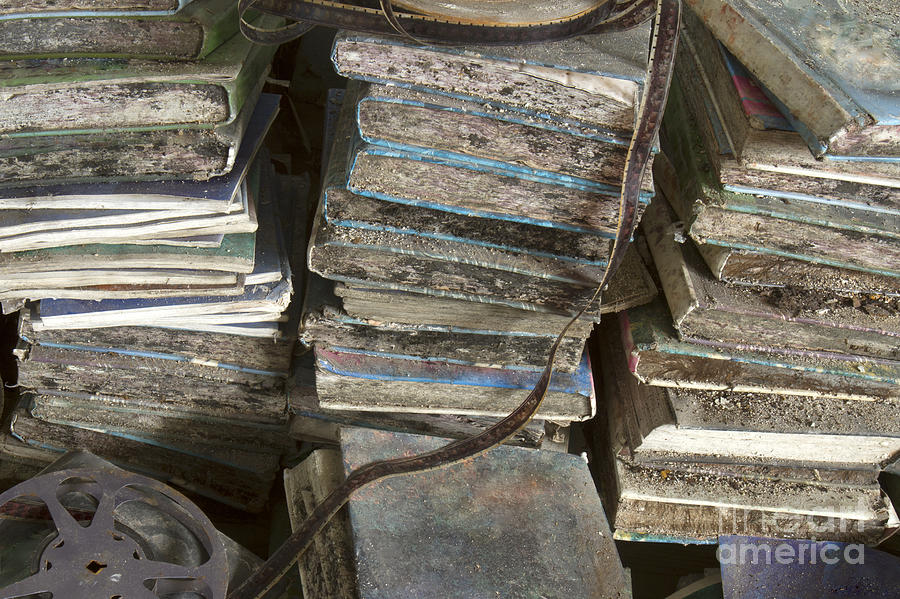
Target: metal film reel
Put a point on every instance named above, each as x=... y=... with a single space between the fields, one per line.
x=106 y=533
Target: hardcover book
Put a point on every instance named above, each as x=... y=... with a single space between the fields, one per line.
x=234 y=254
x=591 y=80
x=399 y=117
x=166 y=153
x=705 y=308
x=221 y=194
x=385 y=305
x=309 y=421
x=765 y=267
x=840 y=80
x=658 y=357
x=527 y=549
x=817 y=229
x=343 y=208
x=356 y=381
x=710 y=481
x=326 y=325
x=767 y=159
x=85 y=94
x=190 y=33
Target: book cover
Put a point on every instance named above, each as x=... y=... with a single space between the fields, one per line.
x=839 y=80
x=190 y=32
x=511 y=546
x=591 y=80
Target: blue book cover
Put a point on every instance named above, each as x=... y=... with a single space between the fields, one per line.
x=398 y=368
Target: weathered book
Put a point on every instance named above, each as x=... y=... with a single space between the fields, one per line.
x=221 y=194
x=113 y=277
x=815 y=229
x=142 y=420
x=195 y=388
x=657 y=357
x=128 y=291
x=754 y=268
x=268 y=300
x=264 y=299
x=403 y=118
x=704 y=308
x=452 y=269
x=343 y=208
x=418 y=248
x=388 y=225
x=699 y=410
x=311 y=422
x=840 y=81
x=326 y=325
x=79 y=7
x=153 y=154
x=190 y=33
x=522 y=556
x=270 y=265
x=464 y=187
x=385 y=305
x=22 y=230
x=696 y=502
x=767 y=159
x=771 y=482
x=270 y=356
x=253 y=398
x=750 y=267
x=456 y=281
x=235 y=255
x=592 y=80
x=348 y=380
x=232 y=486
x=87 y=94
x=327 y=568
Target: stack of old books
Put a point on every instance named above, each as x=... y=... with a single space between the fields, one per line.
x=467 y=212
x=764 y=401
x=140 y=220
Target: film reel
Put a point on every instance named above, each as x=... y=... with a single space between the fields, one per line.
x=85 y=529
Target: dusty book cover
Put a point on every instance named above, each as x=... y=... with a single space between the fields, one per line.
x=108 y=163
x=704 y=308
x=659 y=357
x=356 y=381
x=399 y=117
x=326 y=325
x=663 y=482
x=819 y=229
x=840 y=81
x=515 y=560
x=87 y=94
x=590 y=80
x=746 y=266
x=772 y=159
x=191 y=32
x=227 y=484
x=659 y=403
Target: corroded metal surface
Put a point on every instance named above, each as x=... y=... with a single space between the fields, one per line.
x=110 y=550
